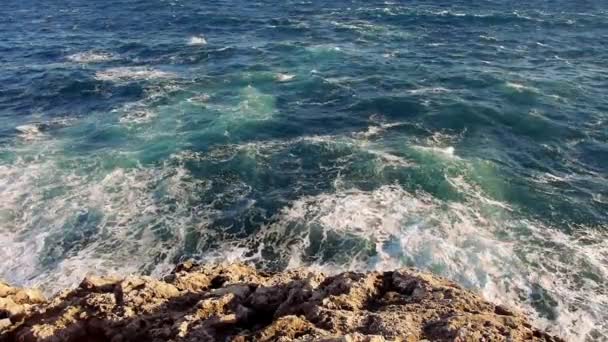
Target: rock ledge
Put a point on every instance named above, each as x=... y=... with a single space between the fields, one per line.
x=237 y=303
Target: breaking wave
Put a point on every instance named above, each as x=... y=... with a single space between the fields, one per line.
x=132 y=74
x=489 y=249
x=91 y=57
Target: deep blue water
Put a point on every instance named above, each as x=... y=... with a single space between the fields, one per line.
x=464 y=138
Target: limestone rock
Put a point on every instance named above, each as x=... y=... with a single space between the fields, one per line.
x=237 y=303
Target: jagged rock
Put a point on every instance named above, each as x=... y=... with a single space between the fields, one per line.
x=237 y=303
x=99 y=284
x=16 y=304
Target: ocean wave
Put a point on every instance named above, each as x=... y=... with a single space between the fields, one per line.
x=184 y=147
x=281 y=77
x=31 y=131
x=197 y=41
x=97 y=220
x=390 y=227
x=378 y=125
x=123 y=74
x=488 y=38
x=371 y=30
x=355 y=144
x=253 y=105
x=37 y=130
x=486 y=16
x=429 y=90
x=446 y=152
x=91 y=57
x=521 y=87
x=93 y=221
x=145 y=110
x=136 y=114
x=324 y=48
x=451 y=13
x=199 y=99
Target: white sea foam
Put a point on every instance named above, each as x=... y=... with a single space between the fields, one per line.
x=30 y=131
x=521 y=87
x=91 y=57
x=488 y=38
x=378 y=126
x=323 y=48
x=36 y=130
x=197 y=41
x=281 y=77
x=449 y=13
x=474 y=192
x=441 y=138
x=147 y=212
x=359 y=143
x=447 y=152
x=458 y=240
x=254 y=105
x=132 y=74
x=429 y=90
x=367 y=28
x=548 y=177
x=124 y=207
x=143 y=111
x=157 y=91
x=136 y=114
x=201 y=98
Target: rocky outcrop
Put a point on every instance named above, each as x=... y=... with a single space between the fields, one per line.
x=237 y=303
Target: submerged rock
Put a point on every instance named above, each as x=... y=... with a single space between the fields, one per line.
x=237 y=303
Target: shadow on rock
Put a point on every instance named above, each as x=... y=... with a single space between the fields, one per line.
x=237 y=303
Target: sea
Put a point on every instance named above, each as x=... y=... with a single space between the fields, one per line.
x=464 y=138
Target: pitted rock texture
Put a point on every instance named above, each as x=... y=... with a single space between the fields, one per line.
x=237 y=303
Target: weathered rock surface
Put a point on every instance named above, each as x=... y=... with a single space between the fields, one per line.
x=237 y=303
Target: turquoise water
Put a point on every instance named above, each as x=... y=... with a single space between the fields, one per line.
x=468 y=140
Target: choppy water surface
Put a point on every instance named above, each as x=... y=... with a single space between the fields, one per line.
x=464 y=139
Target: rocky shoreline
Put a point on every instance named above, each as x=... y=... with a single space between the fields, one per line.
x=237 y=303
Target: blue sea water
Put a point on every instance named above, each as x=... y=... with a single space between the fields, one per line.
x=464 y=138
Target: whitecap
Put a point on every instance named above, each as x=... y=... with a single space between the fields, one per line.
x=323 y=48
x=441 y=138
x=197 y=41
x=520 y=87
x=488 y=38
x=446 y=152
x=255 y=105
x=132 y=74
x=377 y=127
x=547 y=177
x=281 y=77
x=475 y=192
x=201 y=98
x=449 y=13
x=91 y=57
x=37 y=130
x=31 y=131
x=429 y=90
x=387 y=159
x=137 y=115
